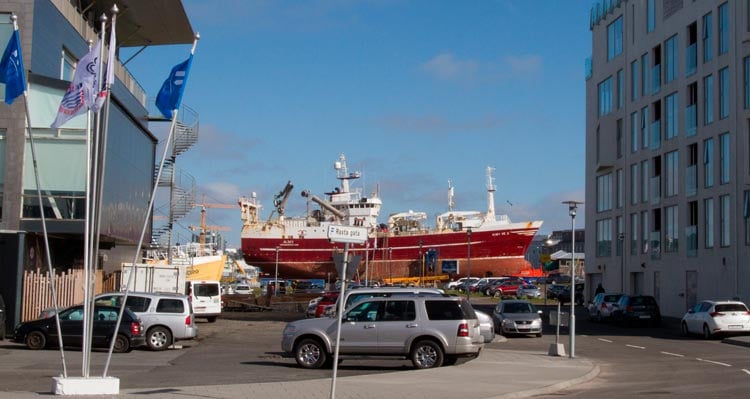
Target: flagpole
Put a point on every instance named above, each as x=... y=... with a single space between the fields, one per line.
x=52 y=275
x=149 y=208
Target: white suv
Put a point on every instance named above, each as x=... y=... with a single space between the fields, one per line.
x=431 y=330
x=166 y=317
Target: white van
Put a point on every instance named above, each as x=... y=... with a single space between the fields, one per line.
x=205 y=296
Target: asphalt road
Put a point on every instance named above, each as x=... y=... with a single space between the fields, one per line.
x=244 y=348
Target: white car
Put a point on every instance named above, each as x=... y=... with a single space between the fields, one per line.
x=452 y=285
x=242 y=289
x=486 y=326
x=716 y=317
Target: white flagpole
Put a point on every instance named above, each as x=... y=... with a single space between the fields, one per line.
x=148 y=212
x=50 y=271
x=85 y=347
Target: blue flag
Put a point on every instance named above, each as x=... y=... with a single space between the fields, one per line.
x=170 y=95
x=11 y=69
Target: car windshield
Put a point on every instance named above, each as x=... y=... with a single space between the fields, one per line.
x=518 y=307
x=642 y=301
x=612 y=298
x=731 y=307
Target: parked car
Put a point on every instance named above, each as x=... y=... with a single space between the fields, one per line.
x=452 y=285
x=2 y=318
x=38 y=334
x=557 y=278
x=462 y=286
x=307 y=287
x=242 y=289
x=710 y=318
x=506 y=288
x=484 y=284
x=430 y=330
x=529 y=291
x=486 y=326
x=602 y=306
x=517 y=317
x=554 y=290
x=564 y=295
x=636 y=309
x=317 y=306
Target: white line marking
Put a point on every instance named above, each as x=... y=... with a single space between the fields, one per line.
x=746 y=371
x=635 y=346
x=604 y=340
x=672 y=354
x=713 y=362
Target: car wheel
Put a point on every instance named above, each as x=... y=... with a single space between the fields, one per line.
x=684 y=329
x=706 y=332
x=487 y=292
x=211 y=319
x=158 y=338
x=497 y=294
x=35 y=340
x=122 y=344
x=310 y=354
x=539 y=335
x=426 y=354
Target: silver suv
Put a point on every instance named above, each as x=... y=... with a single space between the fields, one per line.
x=357 y=294
x=431 y=330
x=166 y=317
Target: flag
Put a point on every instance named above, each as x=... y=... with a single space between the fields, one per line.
x=109 y=76
x=81 y=93
x=170 y=95
x=11 y=69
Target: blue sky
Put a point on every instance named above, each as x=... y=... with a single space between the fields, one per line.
x=414 y=92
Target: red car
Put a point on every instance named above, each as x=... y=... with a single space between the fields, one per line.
x=506 y=288
x=317 y=306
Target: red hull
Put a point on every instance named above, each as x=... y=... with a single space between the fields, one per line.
x=497 y=253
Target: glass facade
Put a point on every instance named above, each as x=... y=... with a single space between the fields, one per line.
x=671 y=230
x=723 y=29
x=724 y=222
x=605 y=97
x=706 y=38
x=604 y=192
x=708 y=222
x=671 y=61
x=614 y=39
x=724 y=93
x=634 y=87
x=671 y=120
x=671 y=177
x=708 y=100
x=708 y=163
x=724 y=167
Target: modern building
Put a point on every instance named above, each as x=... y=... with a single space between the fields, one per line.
x=667 y=150
x=54 y=35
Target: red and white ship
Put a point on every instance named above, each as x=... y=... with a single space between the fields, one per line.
x=298 y=247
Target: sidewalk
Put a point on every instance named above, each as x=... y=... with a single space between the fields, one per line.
x=495 y=374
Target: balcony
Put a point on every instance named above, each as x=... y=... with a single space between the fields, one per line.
x=655 y=188
x=655 y=78
x=671 y=244
x=691 y=237
x=655 y=245
x=691 y=120
x=691 y=59
x=655 y=135
x=604 y=248
x=691 y=180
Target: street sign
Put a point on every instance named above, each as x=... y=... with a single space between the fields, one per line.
x=351 y=267
x=350 y=234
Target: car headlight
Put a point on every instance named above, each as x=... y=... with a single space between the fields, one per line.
x=508 y=322
x=290 y=329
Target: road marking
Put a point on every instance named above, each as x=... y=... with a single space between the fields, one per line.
x=713 y=362
x=672 y=354
x=605 y=340
x=746 y=371
x=636 y=347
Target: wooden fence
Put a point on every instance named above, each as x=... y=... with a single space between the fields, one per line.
x=37 y=294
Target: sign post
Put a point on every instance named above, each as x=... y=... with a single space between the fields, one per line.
x=347 y=235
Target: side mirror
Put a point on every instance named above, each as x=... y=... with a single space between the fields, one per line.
x=691 y=311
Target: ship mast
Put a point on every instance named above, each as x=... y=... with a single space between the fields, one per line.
x=451 y=203
x=343 y=174
x=490 y=216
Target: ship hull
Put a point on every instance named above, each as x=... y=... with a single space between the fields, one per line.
x=489 y=252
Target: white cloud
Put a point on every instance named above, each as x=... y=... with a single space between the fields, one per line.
x=446 y=66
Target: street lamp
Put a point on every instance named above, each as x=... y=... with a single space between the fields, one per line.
x=572 y=206
x=468 y=262
x=276 y=279
x=421 y=265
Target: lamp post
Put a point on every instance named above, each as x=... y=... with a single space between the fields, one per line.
x=421 y=265
x=390 y=264
x=572 y=206
x=276 y=279
x=468 y=262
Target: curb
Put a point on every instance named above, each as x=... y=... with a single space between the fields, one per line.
x=553 y=388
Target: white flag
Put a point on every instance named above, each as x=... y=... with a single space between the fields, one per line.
x=109 y=75
x=81 y=93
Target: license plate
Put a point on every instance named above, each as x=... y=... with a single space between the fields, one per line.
x=735 y=327
x=645 y=317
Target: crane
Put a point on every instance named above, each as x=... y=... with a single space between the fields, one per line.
x=203 y=228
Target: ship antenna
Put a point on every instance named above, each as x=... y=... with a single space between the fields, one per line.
x=451 y=203
x=490 y=216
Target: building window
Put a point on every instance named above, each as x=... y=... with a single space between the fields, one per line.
x=619 y=227
x=724 y=158
x=671 y=230
x=724 y=93
x=634 y=233
x=644 y=230
x=691 y=50
x=708 y=100
x=634 y=71
x=708 y=222
x=671 y=121
x=620 y=139
x=620 y=191
x=706 y=36
x=670 y=67
x=644 y=181
x=650 y=17
x=723 y=28
x=614 y=38
x=644 y=127
x=67 y=66
x=645 y=89
x=746 y=215
x=634 y=183
x=724 y=222
x=605 y=97
x=691 y=112
x=634 y=132
x=620 y=88
x=604 y=192
x=708 y=163
x=691 y=231
x=604 y=237
x=746 y=80
x=671 y=178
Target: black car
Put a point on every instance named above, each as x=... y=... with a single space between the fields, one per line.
x=563 y=296
x=2 y=318
x=38 y=334
x=637 y=309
